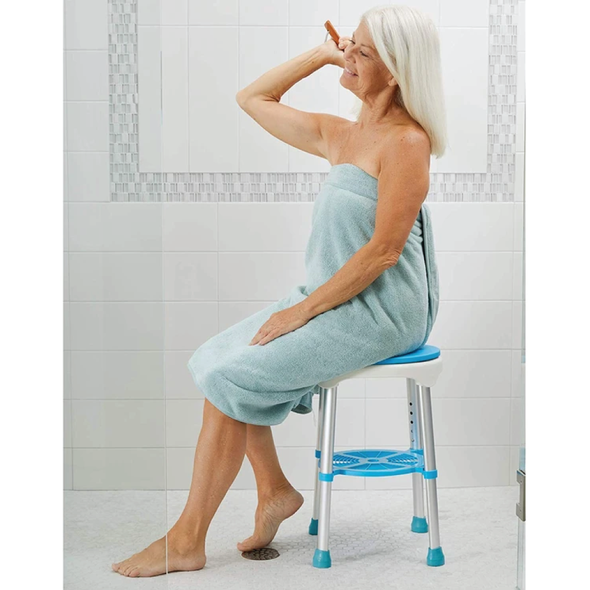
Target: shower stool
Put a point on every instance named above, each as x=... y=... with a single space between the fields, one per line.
x=421 y=369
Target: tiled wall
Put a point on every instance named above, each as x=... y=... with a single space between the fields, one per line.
x=147 y=282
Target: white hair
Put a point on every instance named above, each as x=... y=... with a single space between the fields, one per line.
x=407 y=41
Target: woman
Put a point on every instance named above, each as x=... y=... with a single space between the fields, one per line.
x=367 y=292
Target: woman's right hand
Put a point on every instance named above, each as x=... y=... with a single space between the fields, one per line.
x=335 y=53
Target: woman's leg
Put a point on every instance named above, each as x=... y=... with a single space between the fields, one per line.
x=277 y=499
x=218 y=458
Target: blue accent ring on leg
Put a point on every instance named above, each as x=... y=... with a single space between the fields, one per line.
x=435 y=557
x=313 y=526
x=419 y=524
x=322 y=559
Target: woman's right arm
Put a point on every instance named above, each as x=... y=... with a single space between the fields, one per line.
x=261 y=100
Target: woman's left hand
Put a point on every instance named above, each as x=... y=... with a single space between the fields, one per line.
x=279 y=323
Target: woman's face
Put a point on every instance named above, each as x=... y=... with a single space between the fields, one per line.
x=361 y=57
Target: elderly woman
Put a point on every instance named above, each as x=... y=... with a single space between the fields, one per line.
x=367 y=294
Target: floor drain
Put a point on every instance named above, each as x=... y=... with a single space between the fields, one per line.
x=261 y=554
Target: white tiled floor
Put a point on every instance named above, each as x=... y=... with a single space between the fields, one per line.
x=370 y=542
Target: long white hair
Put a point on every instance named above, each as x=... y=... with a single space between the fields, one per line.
x=408 y=43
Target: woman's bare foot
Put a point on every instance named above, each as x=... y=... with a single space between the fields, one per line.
x=183 y=555
x=269 y=515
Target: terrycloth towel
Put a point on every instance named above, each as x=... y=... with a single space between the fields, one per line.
x=394 y=315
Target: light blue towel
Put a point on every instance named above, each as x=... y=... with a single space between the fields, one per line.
x=392 y=316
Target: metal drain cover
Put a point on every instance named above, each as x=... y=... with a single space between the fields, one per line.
x=261 y=554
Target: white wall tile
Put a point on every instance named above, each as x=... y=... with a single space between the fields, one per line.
x=459 y=467
x=87 y=75
x=517 y=324
x=517 y=275
x=190 y=324
x=67 y=374
x=174 y=12
x=116 y=276
x=475 y=276
x=190 y=276
x=115 y=227
x=473 y=227
x=465 y=374
x=351 y=10
x=189 y=227
x=149 y=12
x=118 y=423
x=67 y=435
x=517 y=421
x=217 y=12
x=88 y=126
x=66 y=272
x=175 y=99
x=88 y=176
x=519 y=177
x=260 y=151
x=458 y=13
x=119 y=469
x=259 y=275
x=473 y=325
x=184 y=418
x=213 y=111
x=260 y=12
x=518 y=374
x=264 y=227
x=471 y=421
x=117 y=326
x=387 y=423
x=311 y=12
x=66 y=227
x=519 y=227
x=86 y=24
x=67 y=467
x=464 y=59
x=519 y=127
x=179 y=382
x=117 y=375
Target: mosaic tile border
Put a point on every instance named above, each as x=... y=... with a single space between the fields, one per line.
x=127 y=184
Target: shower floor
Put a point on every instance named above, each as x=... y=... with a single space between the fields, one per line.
x=370 y=541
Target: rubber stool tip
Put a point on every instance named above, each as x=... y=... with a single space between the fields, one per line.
x=322 y=559
x=419 y=525
x=435 y=557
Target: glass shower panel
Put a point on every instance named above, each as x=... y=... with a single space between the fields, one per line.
x=114 y=402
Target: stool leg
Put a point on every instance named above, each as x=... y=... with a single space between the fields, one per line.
x=419 y=524
x=313 y=525
x=435 y=553
x=322 y=557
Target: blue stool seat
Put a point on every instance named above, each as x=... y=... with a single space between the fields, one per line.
x=424 y=353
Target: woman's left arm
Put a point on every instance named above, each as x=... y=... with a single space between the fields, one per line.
x=404 y=180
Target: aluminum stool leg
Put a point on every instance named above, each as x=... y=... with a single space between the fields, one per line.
x=419 y=524
x=313 y=525
x=435 y=553
x=322 y=557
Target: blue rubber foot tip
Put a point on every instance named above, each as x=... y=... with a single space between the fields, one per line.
x=322 y=558
x=419 y=525
x=435 y=557
x=313 y=526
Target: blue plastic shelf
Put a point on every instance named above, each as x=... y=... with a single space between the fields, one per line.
x=377 y=462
